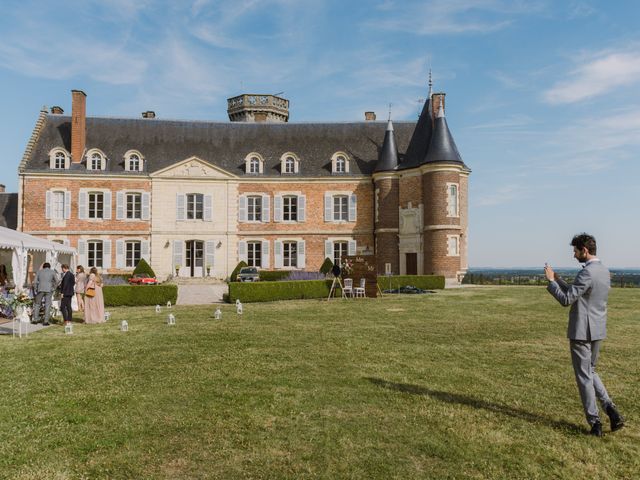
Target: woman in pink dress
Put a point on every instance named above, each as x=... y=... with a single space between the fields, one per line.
x=94 y=306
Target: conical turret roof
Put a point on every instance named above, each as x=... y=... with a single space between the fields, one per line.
x=388 y=158
x=419 y=143
x=442 y=147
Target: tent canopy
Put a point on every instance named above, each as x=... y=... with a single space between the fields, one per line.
x=11 y=239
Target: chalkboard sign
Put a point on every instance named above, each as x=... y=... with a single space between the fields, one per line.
x=361 y=266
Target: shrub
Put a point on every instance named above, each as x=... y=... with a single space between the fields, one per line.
x=144 y=267
x=301 y=275
x=135 y=295
x=270 y=291
x=111 y=279
x=326 y=266
x=426 y=282
x=273 y=275
x=234 y=274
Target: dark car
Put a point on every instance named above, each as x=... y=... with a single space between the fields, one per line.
x=248 y=274
x=142 y=279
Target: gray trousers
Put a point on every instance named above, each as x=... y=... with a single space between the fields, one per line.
x=584 y=356
x=47 y=306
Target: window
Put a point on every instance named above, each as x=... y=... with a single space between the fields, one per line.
x=254 y=254
x=453 y=245
x=452 y=200
x=95 y=163
x=254 y=165
x=60 y=161
x=132 y=254
x=289 y=165
x=340 y=249
x=290 y=208
x=134 y=206
x=341 y=164
x=254 y=209
x=195 y=206
x=341 y=208
x=290 y=254
x=134 y=162
x=96 y=205
x=57 y=205
x=94 y=254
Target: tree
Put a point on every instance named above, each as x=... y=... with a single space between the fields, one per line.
x=234 y=274
x=326 y=266
x=145 y=268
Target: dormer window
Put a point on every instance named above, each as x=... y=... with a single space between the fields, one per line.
x=95 y=160
x=339 y=163
x=254 y=164
x=58 y=159
x=289 y=164
x=133 y=161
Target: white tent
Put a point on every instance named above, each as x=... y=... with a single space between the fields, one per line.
x=16 y=247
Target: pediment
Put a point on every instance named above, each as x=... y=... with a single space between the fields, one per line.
x=193 y=167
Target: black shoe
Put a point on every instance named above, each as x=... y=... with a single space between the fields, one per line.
x=617 y=420
x=596 y=429
x=46 y=324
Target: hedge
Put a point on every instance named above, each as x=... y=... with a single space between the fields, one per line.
x=270 y=291
x=273 y=275
x=426 y=282
x=136 y=295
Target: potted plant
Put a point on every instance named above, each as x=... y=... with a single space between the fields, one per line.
x=208 y=270
x=177 y=269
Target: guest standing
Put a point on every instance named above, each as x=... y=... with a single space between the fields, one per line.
x=45 y=284
x=81 y=283
x=94 y=305
x=67 y=289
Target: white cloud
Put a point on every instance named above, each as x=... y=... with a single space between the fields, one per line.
x=501 y=195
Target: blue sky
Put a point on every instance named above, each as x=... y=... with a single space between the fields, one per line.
x=543 y=97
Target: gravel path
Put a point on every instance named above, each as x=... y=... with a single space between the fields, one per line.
x=201 y=294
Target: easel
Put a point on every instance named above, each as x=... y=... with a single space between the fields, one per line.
x=332 y=291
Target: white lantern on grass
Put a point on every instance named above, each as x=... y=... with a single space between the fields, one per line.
x=107 y=316
x=238 y=307
x=124 y=326
x=171 y=319
x=158 y=309
x=169 y=304
x=218 y=314
x=68 y=328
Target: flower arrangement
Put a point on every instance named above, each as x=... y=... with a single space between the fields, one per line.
x=346 y=266
x=16 y=302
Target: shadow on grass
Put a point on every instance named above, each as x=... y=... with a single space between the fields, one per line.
x=477 y=403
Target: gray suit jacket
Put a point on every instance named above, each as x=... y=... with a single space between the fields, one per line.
x=588 y=299
x=46 y=280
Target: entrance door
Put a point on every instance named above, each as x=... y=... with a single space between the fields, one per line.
x=412 y=263
x=195 y=258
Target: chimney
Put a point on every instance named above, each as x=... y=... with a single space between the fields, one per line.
x=149 y=114
x=78 y=124
x=56 y=110
x=369 y=116
x=2 y=188
x=436 y=100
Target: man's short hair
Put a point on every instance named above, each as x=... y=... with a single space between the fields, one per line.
x=585 y=240
x=65 y=266
x=46 y=265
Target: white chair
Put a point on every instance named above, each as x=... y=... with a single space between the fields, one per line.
x=359 y=291
x=347 y=290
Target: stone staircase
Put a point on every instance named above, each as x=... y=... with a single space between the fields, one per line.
x=196 y=281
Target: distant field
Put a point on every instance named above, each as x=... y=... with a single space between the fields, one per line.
x=467 y=383
x=621 y=277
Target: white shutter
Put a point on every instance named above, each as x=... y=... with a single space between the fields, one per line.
x=353 y=204
x=47 y=207
x=82 y=253
x=146 y=204
x=328 y=207
x=210 y=254
x=296 y=165
x=242 y=251
x=145 y=248
x=301 y=254
x=83 y=202
x=120 y=254
x=242 y=208
x=328 y=249
x=107 y=205
x=277 y=254
x=277 y=208
x=177 y=253
x=67 y=205
x=119 y=206
x=266 y=214
x=265 y=254
x=346 y=165
x=106 y=254
x=351 y=247
x=208 y=206
x=181 y=201
x=302 y=208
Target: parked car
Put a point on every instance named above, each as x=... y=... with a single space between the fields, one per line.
x=142 y=279
x=248 y=274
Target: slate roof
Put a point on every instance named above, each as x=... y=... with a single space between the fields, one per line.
x=442 y=148
x=389 y=153
x=9 y=210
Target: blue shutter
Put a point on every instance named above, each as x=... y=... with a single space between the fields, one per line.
x=328 y=207
x=265 y=254
x=106 y=254
x=277 y=208
x=83 y=202
x=210 y=254
x=145 y=250
x=47 y=207
x=120 y=255
x=242 y=208
x=301 y=254
x=277 y=254
x=107 y=205
x=266 y=214
x=242 y=251
x=208 y=206
x=351 y=247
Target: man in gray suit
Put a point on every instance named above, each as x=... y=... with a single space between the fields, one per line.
x=45 y=284
x=587 y=327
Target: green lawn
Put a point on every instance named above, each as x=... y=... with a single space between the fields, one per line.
x=470 y=383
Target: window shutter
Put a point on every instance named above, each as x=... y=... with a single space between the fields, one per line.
x=328 y=207
x=346 y=165
x=47 y=207
x=210 y=253
x=140 y=164
x=302 y=205
x=119 y=206
x=177 y=253
x=242 y=208
x=351 y=247
x=146 y=206
x=106 y=254
x=260 y=166
x=277 y=208
x=82 y=253
x=145 y=250
x=277 y=254
x=266 y=214
x=83 y=201
x=296 y=165
x=328 y=249
x=181 y=201
x=107 y=205
x=301 y=254
x=208 y=205
x=120 y=263
x=242 y=251
x=353 y=204
x=67 y=205
x=265 y=254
